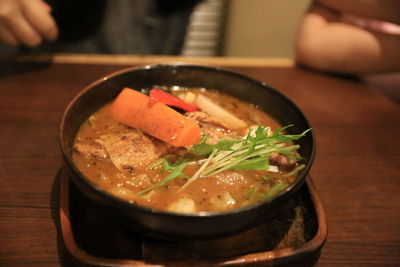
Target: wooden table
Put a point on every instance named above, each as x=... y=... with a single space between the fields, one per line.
x=356 y=171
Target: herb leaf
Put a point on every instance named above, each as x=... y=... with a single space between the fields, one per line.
x=204 y=149
x=177 y=171
x=274 y=190
x=258 y=163
x=252 y=195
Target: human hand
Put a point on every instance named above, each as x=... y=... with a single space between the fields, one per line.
x=26 y=22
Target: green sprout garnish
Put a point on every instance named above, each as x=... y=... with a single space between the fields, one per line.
x=177 y=171
x=249 y=153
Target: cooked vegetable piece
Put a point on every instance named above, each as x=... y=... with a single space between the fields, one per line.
x=183 y=205
x=227 y=119
x=188 y=97
x=134 y=109
x=158 y=95
x=223 y=201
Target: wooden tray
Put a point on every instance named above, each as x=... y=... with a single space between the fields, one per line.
x=90 y=238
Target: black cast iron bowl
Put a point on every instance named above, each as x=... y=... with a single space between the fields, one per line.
x=168 y=224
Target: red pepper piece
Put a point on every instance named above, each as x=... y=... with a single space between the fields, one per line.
x=158 y=95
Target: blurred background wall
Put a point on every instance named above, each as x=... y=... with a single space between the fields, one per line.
x=262 y=28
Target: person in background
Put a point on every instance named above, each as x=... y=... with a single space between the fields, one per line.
x=95 y=26
x=353 y=37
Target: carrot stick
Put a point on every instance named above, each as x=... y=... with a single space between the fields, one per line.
x=133 y=108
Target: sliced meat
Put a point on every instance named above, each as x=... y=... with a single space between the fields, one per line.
x=215 y=129
x=91 y=151
x=131 y=150
x=283 y=162
x=201 y=116
x=215 y=133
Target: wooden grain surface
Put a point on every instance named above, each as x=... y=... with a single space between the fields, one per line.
x=356 y=170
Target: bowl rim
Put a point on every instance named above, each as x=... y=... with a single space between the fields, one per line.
x=175 y=65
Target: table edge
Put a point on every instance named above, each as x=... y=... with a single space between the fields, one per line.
x=118 y=59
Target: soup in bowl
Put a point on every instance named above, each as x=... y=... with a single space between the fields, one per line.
x=186 y=151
